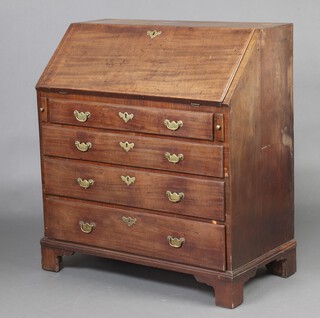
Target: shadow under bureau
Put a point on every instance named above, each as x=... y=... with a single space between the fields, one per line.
x=170 y=144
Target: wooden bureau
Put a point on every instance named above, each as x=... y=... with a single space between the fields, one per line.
x=170 y=144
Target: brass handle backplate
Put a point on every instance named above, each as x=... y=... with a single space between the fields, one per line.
x=126 y=145
x=81 y=116
x=129 y=220
x=175 y=242
x=174 y=196
x=128 y=180
x=85 y=183
x=83 y=146
x=173 y=125
x=125 y=116
x=87 y=227
x=173 y=158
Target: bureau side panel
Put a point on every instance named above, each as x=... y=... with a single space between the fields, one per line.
x=277 y=179
x=262 y=150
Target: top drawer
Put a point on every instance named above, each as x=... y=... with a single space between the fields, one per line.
x=161 y=121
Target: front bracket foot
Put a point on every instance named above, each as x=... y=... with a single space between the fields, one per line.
x=52 y=258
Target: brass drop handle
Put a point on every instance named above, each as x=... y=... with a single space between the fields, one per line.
x=86 y=227
x=173 y=125
x=125 y=116
x=174 y=196
x=175 y=242
x=83 y=146
x=173 y=158
x=85 y=183
x=81 y=116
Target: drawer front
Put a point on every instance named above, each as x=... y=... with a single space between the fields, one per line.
x=154 y=153
x=199 y=244
x=201 y=197
x=191 y=124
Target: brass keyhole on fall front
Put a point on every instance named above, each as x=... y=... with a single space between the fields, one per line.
x=153 y=33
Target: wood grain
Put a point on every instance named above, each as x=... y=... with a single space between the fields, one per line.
x=196 y=63
x=231 y=85
x=261 y=149
x=147 y=152
x=148 y=120
x=204 y=242
x=212 y=24
x=203 y=197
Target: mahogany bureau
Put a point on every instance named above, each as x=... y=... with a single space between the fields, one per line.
x=170 y=144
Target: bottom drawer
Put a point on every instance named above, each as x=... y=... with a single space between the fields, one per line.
x=173 y=239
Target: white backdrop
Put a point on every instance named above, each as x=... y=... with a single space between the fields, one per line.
x=30 y=30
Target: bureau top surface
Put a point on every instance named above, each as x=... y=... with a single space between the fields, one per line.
x=216 y=24
x=165 y=59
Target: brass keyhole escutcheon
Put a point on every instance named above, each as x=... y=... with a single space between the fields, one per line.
x=153 y=33
x=129 y=220
x=128 y=180
x=126 y=145
x=125 y=116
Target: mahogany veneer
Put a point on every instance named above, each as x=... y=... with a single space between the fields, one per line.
x=170 y=144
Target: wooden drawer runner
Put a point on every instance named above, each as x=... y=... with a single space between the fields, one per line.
x=204 y=244
x=147 y=152
x=202 y=197
x=195 y=124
